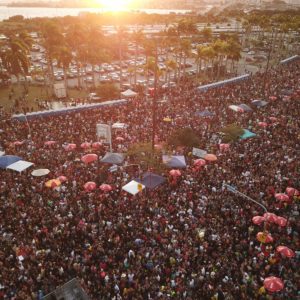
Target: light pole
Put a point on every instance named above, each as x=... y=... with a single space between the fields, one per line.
x=268 y=62
x=154 y=104
x=235 y=191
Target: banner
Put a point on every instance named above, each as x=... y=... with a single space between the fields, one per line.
x=104 y=133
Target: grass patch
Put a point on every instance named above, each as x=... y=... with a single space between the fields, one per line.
x=34 y=92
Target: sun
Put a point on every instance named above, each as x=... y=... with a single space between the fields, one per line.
x=115 y=4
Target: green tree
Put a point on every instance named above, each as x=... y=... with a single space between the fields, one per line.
x=142 y=154
x=183 y=137
x=232 y=133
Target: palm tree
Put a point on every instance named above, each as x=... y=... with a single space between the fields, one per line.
x=209 y=55
x=26 y=39
x=233 y=52
x=220 y=47
x=75 y=38
x=138 y=38
x=171 y=66
x=14 y=56
x=186 y=47
x=64 y=58
x=52 y=40
x=199 y=57
x=132 y=72
x=122 y=38
x=149 y=67
x=95 y=48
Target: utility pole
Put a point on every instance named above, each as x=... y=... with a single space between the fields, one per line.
x=267 y=66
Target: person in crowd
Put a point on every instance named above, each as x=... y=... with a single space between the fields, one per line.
x=148 y=246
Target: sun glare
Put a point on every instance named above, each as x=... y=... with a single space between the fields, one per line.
x=115 y=4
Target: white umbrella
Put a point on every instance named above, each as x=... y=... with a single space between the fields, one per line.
x=133 y=187
x=40 y=172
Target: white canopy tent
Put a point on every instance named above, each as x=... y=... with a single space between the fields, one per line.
x=129 y=94
x=133 y=187
x=20 y=165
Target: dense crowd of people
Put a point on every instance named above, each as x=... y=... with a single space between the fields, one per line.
x=189 y=240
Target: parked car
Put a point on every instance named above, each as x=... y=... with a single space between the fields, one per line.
x=89 y=79
x=104 y=79
x=170 y=84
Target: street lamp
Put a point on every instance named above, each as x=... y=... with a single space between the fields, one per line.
x=233 y=190
x=268 y=62
x=154 y=103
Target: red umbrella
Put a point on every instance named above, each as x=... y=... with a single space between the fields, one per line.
x=292 y=192
x=264 y=237
x=270 y=217
x=285 y=251
x=96 y=145
x=70 y=147
x=49 y=143
x=90 y=186
x=281 y=221
x=62 y=178
x=257 y=220
x=273 y=98
x=273 y=284
x=199 y=162
x=175 y=173
x=119 y=139
x=282 y=197
x=262 y=124
x=88 y=158
x=224 y=147
x=105 y=187
x=85 y=145
x=210 y=157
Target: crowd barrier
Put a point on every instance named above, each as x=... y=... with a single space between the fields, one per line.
x=67 y=110
x=290 y=59
x=222 y=83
